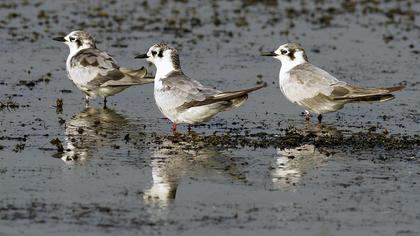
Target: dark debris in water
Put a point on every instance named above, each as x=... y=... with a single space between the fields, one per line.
x=8 y=105
x=293 y=138
x=19 y=147
x=58 y=144
x=32 y=83
x=59 y=102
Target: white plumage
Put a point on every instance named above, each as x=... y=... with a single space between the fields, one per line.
x=94 y=71
x=315 y=89
x=183 y=100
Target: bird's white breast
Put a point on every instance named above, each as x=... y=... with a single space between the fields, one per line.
x=168 y=102
x=165 y=101
x=287 y=87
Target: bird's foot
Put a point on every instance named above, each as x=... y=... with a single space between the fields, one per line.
x=320 y=118
x=87 y=101
x=307 y=115
x=105 y=107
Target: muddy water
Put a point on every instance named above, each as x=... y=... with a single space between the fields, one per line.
x=122 y=172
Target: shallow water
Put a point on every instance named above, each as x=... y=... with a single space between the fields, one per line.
x=123 y=173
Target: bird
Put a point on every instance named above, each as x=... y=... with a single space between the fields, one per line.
x=94 y=71
x=315 y=89
x=182 y=99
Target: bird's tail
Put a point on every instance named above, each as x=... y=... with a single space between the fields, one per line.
x=374 y=98
x=371 y=94
x=139 y=75
x=238 y=94
x=230 y=99
x=239 y=97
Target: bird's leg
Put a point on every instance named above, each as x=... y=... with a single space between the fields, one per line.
x=104 y=102
x=189 y=128
x=307 y=115
x=87 y=101
x=320 y=118
x=174 y=127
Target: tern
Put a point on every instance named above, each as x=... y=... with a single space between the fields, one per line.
x=315 y=89
x=184 y=100
x=94 y=71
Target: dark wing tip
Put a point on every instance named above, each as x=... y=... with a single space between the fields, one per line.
x=396 y=88
x=260 y=84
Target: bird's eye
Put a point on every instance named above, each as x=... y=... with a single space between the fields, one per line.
x=72 y=39
x=284 y=52
x=154 y=53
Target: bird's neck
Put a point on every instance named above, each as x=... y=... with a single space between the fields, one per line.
x=74 y=49
x=164 y=68
x=286 y=66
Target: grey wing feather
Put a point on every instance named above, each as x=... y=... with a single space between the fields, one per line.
x=349 y=92
x=194 y=93
x=308 y=81
x=185 y=88
x=224 y=97
x=105 y=70
x=140 y=73
x=313 y=82
x=131 y=77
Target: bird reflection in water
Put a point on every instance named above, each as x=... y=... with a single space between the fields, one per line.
x=174 y=160
x=291 y=164
x=89 y=130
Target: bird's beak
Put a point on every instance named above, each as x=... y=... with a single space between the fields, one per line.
x=268 y=54
x=141 y=56
x=59 y=39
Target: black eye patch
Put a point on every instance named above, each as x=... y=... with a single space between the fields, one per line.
x=154 y=53
x=79 y=43
x=160 y=53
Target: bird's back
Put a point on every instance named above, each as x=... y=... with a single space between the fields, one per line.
x=92 y=66
x=176 y=89
x=310 y=87
x=320 y=92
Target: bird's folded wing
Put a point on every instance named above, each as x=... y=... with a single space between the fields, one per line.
x=100 y=70
x=127 y=81
x=348 y=92
x=189 y=93
x=182 y=89
x=308 y=81
x=138 y=73
x=93 y=59
x=94 y=67
x=131 y=77
x=223 y=96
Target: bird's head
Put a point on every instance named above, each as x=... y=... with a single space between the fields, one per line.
x=77 y=40
x=162 y=56
x=289 y=53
